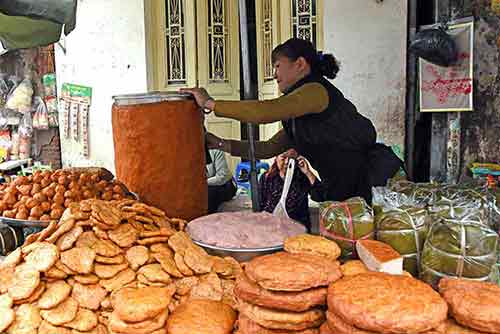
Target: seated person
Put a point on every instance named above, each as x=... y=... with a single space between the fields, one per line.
x=221 y=187
x=303 y=182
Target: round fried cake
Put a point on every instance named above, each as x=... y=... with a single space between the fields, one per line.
x=312 y=244
x=251 y=292
x=284 y=320
x=325 y=329
x=135 y=305
x=353 y=267
x=247 y=326
x=202 y=317
x=385 y=303
x=451 y=327
x=473 y=304
x=292 y=272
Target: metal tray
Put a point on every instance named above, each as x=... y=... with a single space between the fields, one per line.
x=239 y=254
x=23 y=223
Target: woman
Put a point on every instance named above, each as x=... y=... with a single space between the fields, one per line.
x=221 y=187
x=318 y=121
x=303 y=182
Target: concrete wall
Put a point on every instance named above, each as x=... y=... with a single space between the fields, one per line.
x=106 y=51
x=369 y=39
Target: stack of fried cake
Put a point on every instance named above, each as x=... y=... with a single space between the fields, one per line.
x=109 y=267
x=286 y=292
x=473 y=305
x=383 y=303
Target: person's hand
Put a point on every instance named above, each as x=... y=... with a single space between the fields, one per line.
x=305 y=168
x=201 y=96
x=214 y=142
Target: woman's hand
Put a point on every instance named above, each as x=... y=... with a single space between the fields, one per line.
x=306 y=169
x=201 y=96
x=214 y=142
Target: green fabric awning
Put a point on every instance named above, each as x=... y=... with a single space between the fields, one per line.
x=31 y=23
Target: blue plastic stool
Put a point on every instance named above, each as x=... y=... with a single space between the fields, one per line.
x=246 y=166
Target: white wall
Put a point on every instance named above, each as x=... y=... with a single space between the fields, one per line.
x=369 y=39
x=106 y=51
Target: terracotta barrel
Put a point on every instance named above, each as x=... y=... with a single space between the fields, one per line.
x=160 y=153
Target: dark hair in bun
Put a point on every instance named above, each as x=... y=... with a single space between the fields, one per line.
x=321 y=64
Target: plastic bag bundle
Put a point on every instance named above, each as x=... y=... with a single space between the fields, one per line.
x=21 y=96
x=346 y=223
x=435 y=46
x=41 y=116
x=402 y=224
x=460 y=243
x=417 y=193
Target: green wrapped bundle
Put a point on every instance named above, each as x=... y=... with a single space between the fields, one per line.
x=346 y=222
x=419 y=193
x=459 y=244
x=405 y=229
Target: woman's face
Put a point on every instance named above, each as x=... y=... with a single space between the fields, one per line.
x=287 y=72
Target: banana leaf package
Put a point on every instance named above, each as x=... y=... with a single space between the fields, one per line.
x=460 y=243
x=418 y=193
x=346 y=222
x=401 y=223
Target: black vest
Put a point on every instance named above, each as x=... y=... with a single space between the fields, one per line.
x=336 y=142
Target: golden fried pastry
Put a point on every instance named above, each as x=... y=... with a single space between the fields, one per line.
x=6 y=277
x=451 y=327
x=228 y=296
x=202 y=317
x=222 y=266
x=144 y=327
x=55 y=273
x=119 y=259
x=136 y=305
x=7 y=316
x=85 y=320
x=106 y=248
x=162 y=247
x=119 y=281
x=55 y=294
x=27 y=320
x=292 y=272
x=209 y=287
x=247 y=326
x=86 y=279
x=179 y=242
x=104 y=271
x=137 y=256
x=353 y=267
x=184 y=285
x=339 y=326
x=473 y=304
x=198 y=260
x=313 y=245
x=43 y=258
x=381 y=302
x=47 y=328
x=63 y=227
x=87 y=239
x=79 y=259
x=89 y=296
x=13 y=259
x=181 y=265
x=325 y=329
x=61 y=314
x=251 y=292
x=68 y=239
x=34 y=296
x=168 y=264
x=5 y=302
x=155 y=274
x=286 y=320
x=124 y=236
x=24 y=282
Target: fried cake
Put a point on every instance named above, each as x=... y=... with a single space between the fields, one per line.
x=247 y=326
x=313 y=245
x=292 y=272
x=251 y=292
x=473 y=304
x=385 y=303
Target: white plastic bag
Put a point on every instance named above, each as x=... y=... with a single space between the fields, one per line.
x=41 y=116
x=21 y=96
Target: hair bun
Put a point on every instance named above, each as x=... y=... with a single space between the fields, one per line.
x=328 y=65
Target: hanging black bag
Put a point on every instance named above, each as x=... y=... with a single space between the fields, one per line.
x=436 y=46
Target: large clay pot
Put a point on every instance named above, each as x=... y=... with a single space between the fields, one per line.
x=160 y=153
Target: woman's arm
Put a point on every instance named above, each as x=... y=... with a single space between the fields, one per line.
x=311 y=98
x=279 y=143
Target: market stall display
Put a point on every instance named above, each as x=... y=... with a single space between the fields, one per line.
x=346 y=222
x=473 y=304
x=383 y=303
x=44 y=196
x=285 y=292
x=109 y=267
x=459 y=244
